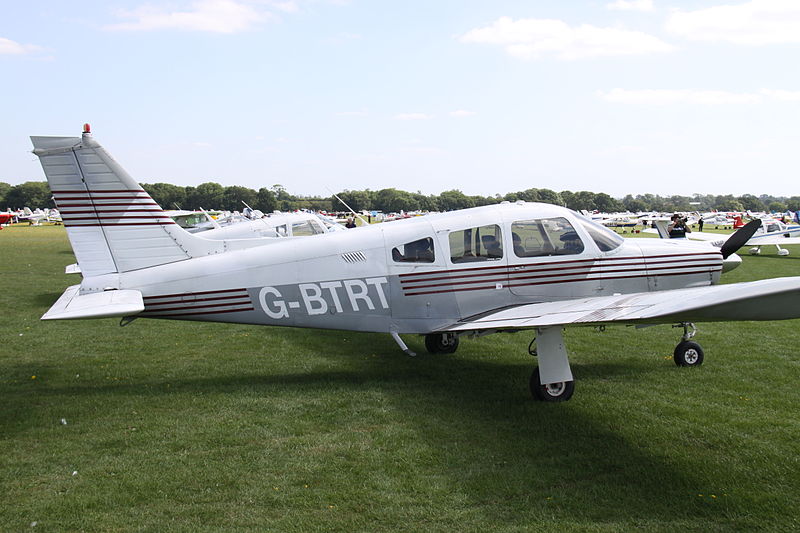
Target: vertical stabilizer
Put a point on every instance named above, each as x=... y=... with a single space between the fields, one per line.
x=112 y=223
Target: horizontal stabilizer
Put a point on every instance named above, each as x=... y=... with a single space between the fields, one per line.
x=105 y=304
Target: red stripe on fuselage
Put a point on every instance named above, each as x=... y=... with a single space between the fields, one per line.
x=417 y=292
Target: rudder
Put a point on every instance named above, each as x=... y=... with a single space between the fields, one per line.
x=112 y=223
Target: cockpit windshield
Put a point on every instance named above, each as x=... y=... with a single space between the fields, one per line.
x=605 y=239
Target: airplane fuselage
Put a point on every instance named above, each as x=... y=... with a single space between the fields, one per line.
x=360 y=280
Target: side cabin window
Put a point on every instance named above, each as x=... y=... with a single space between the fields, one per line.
x=483 y=243
x=605 y=239
x=420 y=251
x=546 y=236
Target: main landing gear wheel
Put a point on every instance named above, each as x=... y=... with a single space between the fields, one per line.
x=688 y=353
x=441 y=342
x=552 y=392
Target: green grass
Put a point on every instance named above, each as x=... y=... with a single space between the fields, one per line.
x=175 y=426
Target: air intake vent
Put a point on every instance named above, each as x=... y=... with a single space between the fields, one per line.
x=354 y=257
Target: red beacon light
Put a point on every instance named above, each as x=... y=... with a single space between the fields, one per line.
x=87 y=128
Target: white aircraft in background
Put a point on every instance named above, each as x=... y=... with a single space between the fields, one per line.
x=273 y=226
x=770 y=232
x=717 y=219
x=37 y=216
x=188 y=219
x=299 y=224
x=483 y=270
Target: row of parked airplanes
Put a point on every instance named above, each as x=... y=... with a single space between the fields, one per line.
x=33 y=217
x=773 y=230
x=473 y=272
x=250 y=223
x=629 y=219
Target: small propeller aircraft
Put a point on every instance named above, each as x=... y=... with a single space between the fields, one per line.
x=769 y=232
x=488 y=269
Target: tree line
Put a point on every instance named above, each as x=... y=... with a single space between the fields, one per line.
x=212 y=195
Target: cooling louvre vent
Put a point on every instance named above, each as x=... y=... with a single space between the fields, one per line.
x=354 y=257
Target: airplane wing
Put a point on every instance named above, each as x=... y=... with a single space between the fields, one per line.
x=778 y=238
x=758 y=240
x=710 y=237
x=772 y=299
x=715 y=238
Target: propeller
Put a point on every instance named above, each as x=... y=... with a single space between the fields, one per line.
x=738 y=239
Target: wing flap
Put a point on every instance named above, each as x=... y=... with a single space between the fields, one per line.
x=105 y=304
x=772 y=299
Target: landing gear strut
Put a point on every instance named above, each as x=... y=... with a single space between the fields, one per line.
x=687 y=352
x=552 y=380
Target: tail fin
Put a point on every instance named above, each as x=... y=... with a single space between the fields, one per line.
x=663 y=228
x=112 y=223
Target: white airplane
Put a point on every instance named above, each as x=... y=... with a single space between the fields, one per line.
x=770 y=232
x=299 y=224
x=35 y=217
x=189 y=219
x=774 y=232
x=272 y=226
x=717 y=219
x=477 y=271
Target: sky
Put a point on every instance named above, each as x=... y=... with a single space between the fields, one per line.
x=617 y=96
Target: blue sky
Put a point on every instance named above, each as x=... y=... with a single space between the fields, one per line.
x=616 y=96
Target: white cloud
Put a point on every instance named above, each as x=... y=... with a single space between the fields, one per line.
x=534 y=38
x=665 y=97
x=9 y=47
x=217 y=16
x=631 y=5
x=783 y=96
x=757 y=22
x=412 y=116
x=461 y=113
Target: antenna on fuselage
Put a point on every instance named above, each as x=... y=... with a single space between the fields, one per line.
x=210 y=219
x=348 y=207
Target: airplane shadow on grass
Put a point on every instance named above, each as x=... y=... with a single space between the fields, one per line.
x=497 y=448
x=45 y=300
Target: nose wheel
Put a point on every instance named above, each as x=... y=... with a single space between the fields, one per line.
x=688 y=352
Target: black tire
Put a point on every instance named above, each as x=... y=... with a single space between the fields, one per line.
x=441 y=343
x=688 y=353
x=553 y=392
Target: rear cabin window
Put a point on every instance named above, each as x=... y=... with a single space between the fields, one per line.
x=484 y=243
x=305 y=229
x=420 y=251
x=546 y=236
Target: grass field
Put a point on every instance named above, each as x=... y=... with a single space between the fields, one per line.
x=178 y=426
